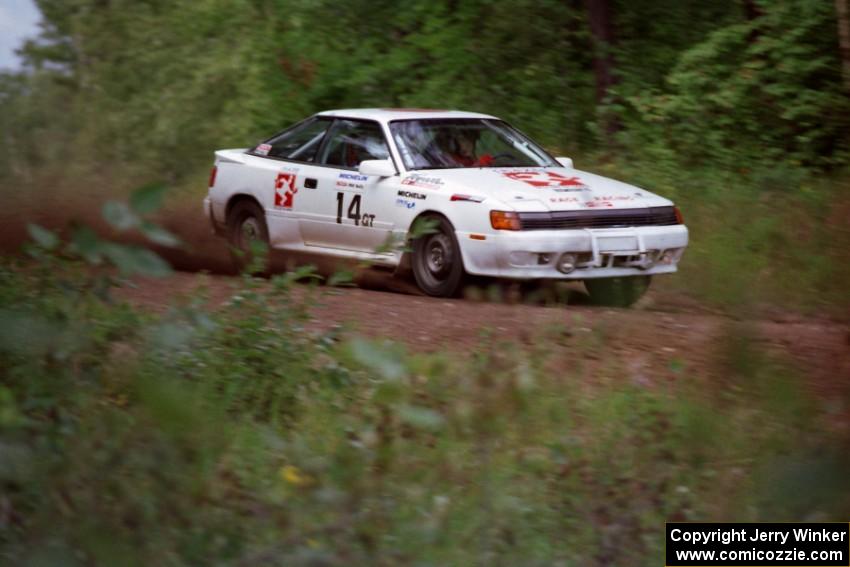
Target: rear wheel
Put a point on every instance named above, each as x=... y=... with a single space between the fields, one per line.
x=436 y=261
x=247 y=232
x=617 y=292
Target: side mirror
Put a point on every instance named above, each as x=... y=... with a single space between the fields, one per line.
x=565 y=161
x=379 y=167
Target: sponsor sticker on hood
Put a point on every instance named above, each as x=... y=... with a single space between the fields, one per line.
x=596 y=202
x=564 y=200
x=548 y=179
x=606 y=201
x=418 y=180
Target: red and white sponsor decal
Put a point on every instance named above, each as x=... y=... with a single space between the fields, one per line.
x=284 y=190
x=606 y=202
x=547 y=179
x=263 y=149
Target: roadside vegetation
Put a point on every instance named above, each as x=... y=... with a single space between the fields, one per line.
x=238 y=437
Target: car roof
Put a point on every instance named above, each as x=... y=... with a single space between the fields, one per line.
x=388 y=114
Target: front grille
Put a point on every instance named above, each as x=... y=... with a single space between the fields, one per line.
x=606 y=218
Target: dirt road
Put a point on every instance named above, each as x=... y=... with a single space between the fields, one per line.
x=666 y=337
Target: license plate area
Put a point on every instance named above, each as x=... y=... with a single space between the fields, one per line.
x=618 y=243
x=608 y=246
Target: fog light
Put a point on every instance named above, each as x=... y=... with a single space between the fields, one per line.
x=567 y=263
x=669 y=256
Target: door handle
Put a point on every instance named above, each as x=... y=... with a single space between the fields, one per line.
x=310 y=183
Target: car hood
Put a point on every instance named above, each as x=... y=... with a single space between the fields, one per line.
x=535 y=189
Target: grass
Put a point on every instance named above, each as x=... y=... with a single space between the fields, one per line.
x=238 y=438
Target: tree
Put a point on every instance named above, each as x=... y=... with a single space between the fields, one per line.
x=844 y=40
x=600 y=18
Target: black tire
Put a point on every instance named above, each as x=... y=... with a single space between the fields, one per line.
x=617 y=292
x=436 y=261
x=246 y=223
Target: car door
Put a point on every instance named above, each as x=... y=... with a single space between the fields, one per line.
x=343 y=210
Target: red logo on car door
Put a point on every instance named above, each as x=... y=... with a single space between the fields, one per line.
x=284 y=190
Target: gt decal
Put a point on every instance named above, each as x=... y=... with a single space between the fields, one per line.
x=284 y=190
x=547 y=179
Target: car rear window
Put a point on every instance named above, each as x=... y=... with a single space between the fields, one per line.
x=299 y=143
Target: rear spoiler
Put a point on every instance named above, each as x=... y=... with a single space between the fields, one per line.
x=232 y=156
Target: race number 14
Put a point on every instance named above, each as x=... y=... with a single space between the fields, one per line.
x=353 y=211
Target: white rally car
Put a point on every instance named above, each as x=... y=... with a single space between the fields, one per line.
x=344 y=183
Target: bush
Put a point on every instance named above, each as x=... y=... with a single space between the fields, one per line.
x=766 y=92
x=240 y=436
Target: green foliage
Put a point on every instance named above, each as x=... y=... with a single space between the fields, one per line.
x=258 y=356
x=158 y=85
x=148 y=199
x=766 y=91
x=43 y=237
x=243 y=437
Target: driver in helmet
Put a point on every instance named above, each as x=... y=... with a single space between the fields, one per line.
x=462 y=150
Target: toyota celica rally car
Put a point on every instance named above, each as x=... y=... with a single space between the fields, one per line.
x=344 y=183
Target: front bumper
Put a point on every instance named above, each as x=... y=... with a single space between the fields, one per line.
x=599 y=253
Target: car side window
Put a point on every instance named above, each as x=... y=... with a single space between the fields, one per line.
x=299 y=143
x=352 y=141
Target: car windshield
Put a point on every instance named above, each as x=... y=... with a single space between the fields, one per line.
x=466 y=142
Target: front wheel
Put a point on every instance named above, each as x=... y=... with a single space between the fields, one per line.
x=436 y=261
x=617 y=292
